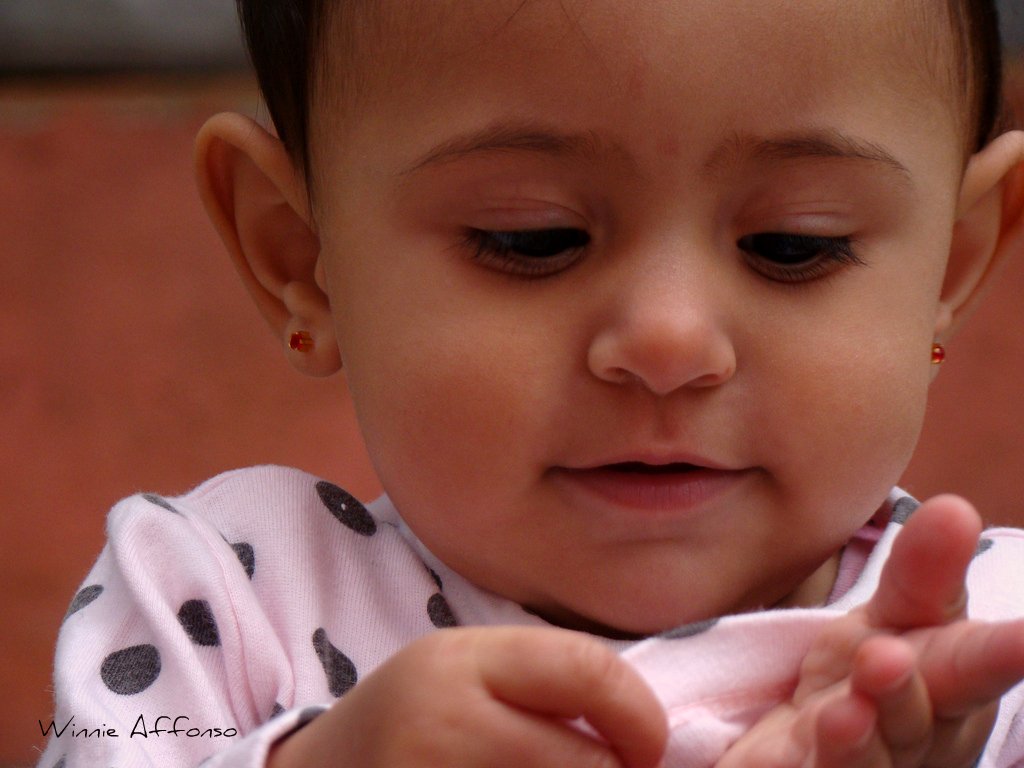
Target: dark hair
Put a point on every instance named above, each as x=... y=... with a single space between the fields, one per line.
x=284 y=37
x=980 y=52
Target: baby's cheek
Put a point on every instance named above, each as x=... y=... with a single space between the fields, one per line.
x=850 y=426
x=444 y=427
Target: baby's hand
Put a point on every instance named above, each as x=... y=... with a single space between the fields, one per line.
x=489 y=697
x=905 y=680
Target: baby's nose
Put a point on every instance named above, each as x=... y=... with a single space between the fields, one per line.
x=663 y=338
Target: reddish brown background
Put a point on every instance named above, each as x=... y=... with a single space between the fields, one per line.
x=131 y=359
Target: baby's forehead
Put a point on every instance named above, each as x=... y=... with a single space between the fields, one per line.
x=393 y=48
x=368 y=41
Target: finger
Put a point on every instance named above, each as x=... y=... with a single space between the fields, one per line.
x=885 y=672
x=526 y=739
x=960 y=742
x=846 y=735
x=831 y=656
x=971 y=664
x=568 y=675
x=443 y=732
x=922 y=583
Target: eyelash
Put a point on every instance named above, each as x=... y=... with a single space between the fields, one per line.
x=778 y=256
x=817 y=256
x=528 y=252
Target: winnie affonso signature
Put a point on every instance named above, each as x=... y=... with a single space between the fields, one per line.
x=162 y=726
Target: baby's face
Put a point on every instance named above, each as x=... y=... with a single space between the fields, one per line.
x=697 y=358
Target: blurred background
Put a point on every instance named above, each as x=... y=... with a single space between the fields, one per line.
x=131 y=359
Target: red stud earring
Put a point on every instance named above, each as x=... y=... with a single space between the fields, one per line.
x=301 y=341
x=938 y=354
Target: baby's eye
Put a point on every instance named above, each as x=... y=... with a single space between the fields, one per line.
x=792 y=258
x=528 y=252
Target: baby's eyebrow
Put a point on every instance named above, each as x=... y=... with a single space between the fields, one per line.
x=827 y=143
x=503 y=137
x=542 y=139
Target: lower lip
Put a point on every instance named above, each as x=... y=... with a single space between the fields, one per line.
x=669 y=492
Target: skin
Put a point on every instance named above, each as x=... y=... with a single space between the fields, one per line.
x=492 y=398
x=665 y=341
x=905 y=680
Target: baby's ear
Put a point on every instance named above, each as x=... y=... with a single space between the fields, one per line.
x=989 y=228
x=257 y=201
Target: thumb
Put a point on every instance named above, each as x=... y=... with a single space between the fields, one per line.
x=923 y=581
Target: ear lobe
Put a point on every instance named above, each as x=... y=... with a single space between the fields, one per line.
x=988 y=230
x=259 y=206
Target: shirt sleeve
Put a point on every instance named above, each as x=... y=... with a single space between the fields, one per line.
x=215 y=623
x=160 y=660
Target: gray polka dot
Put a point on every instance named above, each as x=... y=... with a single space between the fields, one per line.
x=340 y=671
x=131 y=670
x=903 y=509
x=440 y=612
x=160 y=501
x=276 y=711
x=85 y=596
x=984 y=545
x=689 y=630
x=196 y=618
x=346 y=509
x=246 y=556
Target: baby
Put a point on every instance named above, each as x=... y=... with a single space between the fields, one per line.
x=639 y=305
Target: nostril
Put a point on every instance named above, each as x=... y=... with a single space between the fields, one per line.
x=713 y=379
x=663 y=356
x=621 y=376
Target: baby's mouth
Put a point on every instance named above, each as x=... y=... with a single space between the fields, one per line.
x=641 y=468
x=662 y=487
